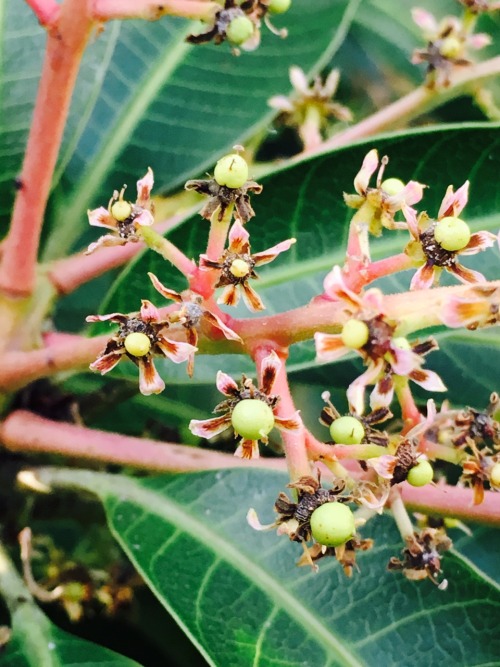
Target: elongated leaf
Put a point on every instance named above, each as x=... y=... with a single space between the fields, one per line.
x=305 y=201
x=159 y=102
x=243 y=601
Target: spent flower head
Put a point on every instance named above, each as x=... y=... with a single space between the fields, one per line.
x=122 y=217
x=448 y=43
x=310 y=108
x=438 y=243
x=250 y=410
x=139 y=338
x=192 y=315
x=237 y=267
x=422 y=556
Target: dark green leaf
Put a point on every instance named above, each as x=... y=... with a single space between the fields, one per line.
x=242 y=600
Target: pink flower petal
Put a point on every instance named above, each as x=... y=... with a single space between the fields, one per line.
x=454 y=202
x=238 y=239
x=410 y=215
x=479 y=40
x=336 y=288
x=149 y=312
x=219 y=324
x=253 y=521
x=149 y=380
x=267 y=256
x=226 y=385
x=373 y=300
x=383 y=465
x=429 y=380
x=176 y=351
x=248 y=449
x=329 y=347
x=251 y=298
x=412 y=193
x=479 y=241
x=280 y=103
x=270 y=368
x=288 y=423
x=207 y=428
x=424 y=278
x=101 y=217
x=471 y=311
x=144 y=219
x=230 y=296
x=144 y=187
x=164 y=291
x=403 y=361
x=331 y=83
x=119 y=318
x=105 y=241
x=383 y=393
x=207 y=264
x=467 y=275
x=370 y=164
x=356 y=390
x=252 y=42
x=299 y=81
x=105 y=363
x=425 y=20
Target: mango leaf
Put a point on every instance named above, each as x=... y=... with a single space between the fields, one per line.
x=239 y=596
x=157 y=101
x=305 y=201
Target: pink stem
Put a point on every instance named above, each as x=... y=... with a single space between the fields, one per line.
x=414 y=104
x=409 y=411
x=453 y=501
x=70 y=273
x=423 y=307
x=24 y=431
x=152 y=10
x=384 y=267
x=46 y=11
x=293 y=441
x=65 y=46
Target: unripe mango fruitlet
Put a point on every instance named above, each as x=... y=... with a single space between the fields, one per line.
x=401 y=342
x=239 y=30
x=121 y=210
x=332 y=524
x=495 y=475
x=137 y=344
x=252 y=418
x=355 y=334
x=239 y=268
x=392 y=186
x=451 y=47
x=279 y=6
x=452 y=233
x=231 y=171
x=347 y=430
x=421 y=474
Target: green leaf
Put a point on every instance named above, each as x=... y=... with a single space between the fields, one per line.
x=158 y=101
x=242 y=600
x=305 y=201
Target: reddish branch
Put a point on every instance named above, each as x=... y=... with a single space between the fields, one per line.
x=152 y=10
x=24 y=431
x=66 y=40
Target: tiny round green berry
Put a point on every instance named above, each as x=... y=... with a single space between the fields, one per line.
x=452 y=233
x=240 y=30
x=121 y=210
x=355 y=334
x=401 y=342
x=347 y=430
x=231 y=171
x=451 y=47
x=495 y=475
x=421 y=474
x=137 y=344
x=279 y=6
x=392 y=186
x=332 y=524
x=239 y=268
x=252 y=418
